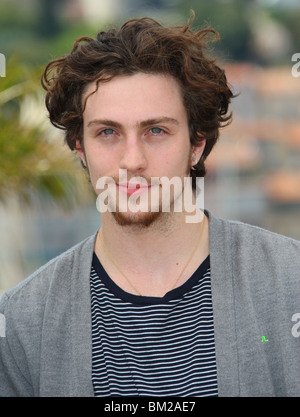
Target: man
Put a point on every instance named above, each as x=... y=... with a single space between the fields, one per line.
x=152 y=304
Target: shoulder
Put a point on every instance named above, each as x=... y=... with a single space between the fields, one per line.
x=249 y=236
x=244 y=247
x=33 y=289
x=254 y=238
x=37 y=315
x=258 y=263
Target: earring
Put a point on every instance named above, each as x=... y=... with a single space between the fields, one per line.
x=195 y=162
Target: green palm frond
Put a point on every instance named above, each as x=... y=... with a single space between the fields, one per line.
x=33 y=160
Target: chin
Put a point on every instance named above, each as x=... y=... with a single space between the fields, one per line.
x=139 y=220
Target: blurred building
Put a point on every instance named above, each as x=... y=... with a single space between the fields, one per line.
x=254 y=172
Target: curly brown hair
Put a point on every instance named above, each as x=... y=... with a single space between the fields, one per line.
x=142 y=45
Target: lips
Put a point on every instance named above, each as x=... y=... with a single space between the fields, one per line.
x=131 y=188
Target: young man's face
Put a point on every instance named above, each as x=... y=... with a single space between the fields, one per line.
x=137 y=124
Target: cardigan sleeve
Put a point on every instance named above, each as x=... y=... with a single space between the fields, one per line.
x=14 y=380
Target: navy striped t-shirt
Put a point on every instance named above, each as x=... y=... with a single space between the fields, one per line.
x=153 y=346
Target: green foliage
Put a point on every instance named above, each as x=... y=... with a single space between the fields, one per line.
x=23 y=34
x=229 y=18
x=289 y=18
x=32 y=163
x=233 y=19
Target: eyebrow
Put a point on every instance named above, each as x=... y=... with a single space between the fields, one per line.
x=143 y=123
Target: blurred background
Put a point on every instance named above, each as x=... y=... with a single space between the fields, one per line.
x=46 y=203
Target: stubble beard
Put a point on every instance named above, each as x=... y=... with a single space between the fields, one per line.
x=158 y=219
x=138 y=220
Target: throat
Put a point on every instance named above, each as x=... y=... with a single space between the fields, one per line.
x=153 y=273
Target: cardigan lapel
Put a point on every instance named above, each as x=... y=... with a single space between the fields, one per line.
x=81 y=321
x=223 y=306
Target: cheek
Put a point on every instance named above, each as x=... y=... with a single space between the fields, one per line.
x=101 y=164
x=94 y=166
x=179 y=161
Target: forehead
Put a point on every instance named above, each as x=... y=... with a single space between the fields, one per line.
x=136 y=96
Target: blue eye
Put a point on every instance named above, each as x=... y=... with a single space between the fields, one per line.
x=107 y=131
x=156 y=130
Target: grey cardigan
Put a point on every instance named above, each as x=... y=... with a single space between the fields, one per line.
x=255 y=276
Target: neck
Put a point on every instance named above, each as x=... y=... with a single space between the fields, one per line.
x=152 y=239
x=161 y=249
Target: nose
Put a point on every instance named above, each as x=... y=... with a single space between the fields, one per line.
x=134 y=157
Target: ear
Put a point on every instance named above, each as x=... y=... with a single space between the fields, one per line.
x=80 y=151
x=197 y=151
